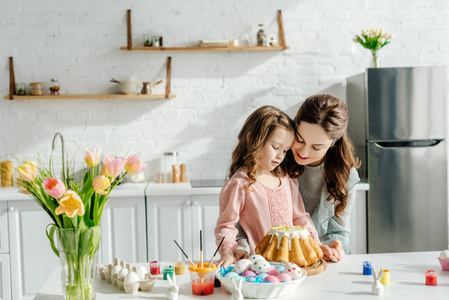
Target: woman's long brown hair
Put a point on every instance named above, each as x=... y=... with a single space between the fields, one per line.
x=331 y=114
x=253 y=136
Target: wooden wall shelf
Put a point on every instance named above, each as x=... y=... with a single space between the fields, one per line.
x=12 y=90
x=89 y=96
x=282 y=45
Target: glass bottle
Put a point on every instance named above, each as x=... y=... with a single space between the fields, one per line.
x=54 y=86
x=262 y=36
x=169 y=159
x=20 y=88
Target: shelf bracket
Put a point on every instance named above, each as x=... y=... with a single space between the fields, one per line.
x=130 y=41
x=167 y=85
x=12 y=79
x=281 y=31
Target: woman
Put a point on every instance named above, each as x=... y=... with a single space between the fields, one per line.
x=322 y=158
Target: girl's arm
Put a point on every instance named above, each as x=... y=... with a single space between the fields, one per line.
x=231 y=203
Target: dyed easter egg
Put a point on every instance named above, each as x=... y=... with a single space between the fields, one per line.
x=271 y=279
x=261 y=277
x=255 y=257
x=231 y=275
x=248 y=273
x=251 y=278
x=283 y=277
x=273 y=272
x=280 y=268
x=242 y=265
x=260 y=266
x=293 y=270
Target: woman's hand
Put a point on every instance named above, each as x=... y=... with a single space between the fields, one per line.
x=334 y=252
x=240 y=254
x=227 y=258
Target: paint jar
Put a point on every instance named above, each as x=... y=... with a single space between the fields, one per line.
x=179 y=268
x=385 y=280
x=202 y=279
x=155 y=268
x=367 y=268
x=168 y=270
x=431 y=277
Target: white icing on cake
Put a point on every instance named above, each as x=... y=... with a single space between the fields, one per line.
x=290 y=232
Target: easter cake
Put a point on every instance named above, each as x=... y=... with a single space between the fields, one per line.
x=290 y=244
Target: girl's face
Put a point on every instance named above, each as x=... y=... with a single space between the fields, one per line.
x=311 y=144
x=274 y=150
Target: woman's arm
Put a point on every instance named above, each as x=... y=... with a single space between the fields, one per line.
x=338 y=228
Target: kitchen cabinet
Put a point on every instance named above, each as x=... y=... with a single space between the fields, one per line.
x=123 y=230
x=31 y=257
x=180 y=218
x=5 y=283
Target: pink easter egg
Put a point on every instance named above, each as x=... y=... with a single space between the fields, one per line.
x=248 y=273
x=273 y=272
x=271 y=279
x=283 y=277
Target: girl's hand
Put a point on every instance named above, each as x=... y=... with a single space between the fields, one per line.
x=240 y=254
x=227 y=258
x=334 y=252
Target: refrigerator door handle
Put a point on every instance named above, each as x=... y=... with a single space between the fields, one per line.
x=408 y=144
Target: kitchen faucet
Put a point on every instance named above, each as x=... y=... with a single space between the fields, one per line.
x=63 y=152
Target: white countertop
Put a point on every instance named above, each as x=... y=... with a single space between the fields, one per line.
x=340 y=281
x=145 y=188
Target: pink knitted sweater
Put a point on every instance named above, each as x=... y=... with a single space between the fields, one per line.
x=258 y=209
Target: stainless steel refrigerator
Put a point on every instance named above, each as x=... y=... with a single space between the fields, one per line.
x=398 y=123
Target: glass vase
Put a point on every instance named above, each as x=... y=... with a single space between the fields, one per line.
x=78 y=257
x=375 y=61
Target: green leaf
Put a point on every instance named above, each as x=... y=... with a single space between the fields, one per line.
x=50 y=234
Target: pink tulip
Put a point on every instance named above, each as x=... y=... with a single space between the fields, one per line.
x=100 y=183
x=112 y=166
x=92 y=156
x=28 y=171
x=71 y=204
x=134 y=165
x=54 y=187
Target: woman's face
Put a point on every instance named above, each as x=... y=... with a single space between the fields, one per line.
x=311 y=144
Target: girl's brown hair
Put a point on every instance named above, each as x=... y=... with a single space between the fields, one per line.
x=253 y=136
x=331 y=114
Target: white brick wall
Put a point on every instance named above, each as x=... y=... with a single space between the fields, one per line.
x=78 y=42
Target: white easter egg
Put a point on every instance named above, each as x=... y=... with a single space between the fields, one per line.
x=141 y=271
x=131 y=277
x=242 y=265
x=123 y=272
x=260 y=266
x=293 y=270
x=444 y=254
x=255 y=257
x=115 y=270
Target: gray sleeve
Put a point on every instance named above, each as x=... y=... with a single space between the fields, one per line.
x=242 y=239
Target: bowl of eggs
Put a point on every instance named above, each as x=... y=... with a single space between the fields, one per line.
x=261 y=279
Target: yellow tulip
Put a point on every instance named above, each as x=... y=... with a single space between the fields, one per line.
x=92 y=156
x=71 y=204
x=100 y=183
x=28 y=171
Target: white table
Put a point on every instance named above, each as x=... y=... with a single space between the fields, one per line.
x=342 y=280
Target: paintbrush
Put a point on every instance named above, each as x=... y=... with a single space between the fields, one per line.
x=212 y=259
x=191 y=262
x=201 y=249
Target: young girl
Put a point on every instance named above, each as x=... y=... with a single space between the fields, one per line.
x=259 y=194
